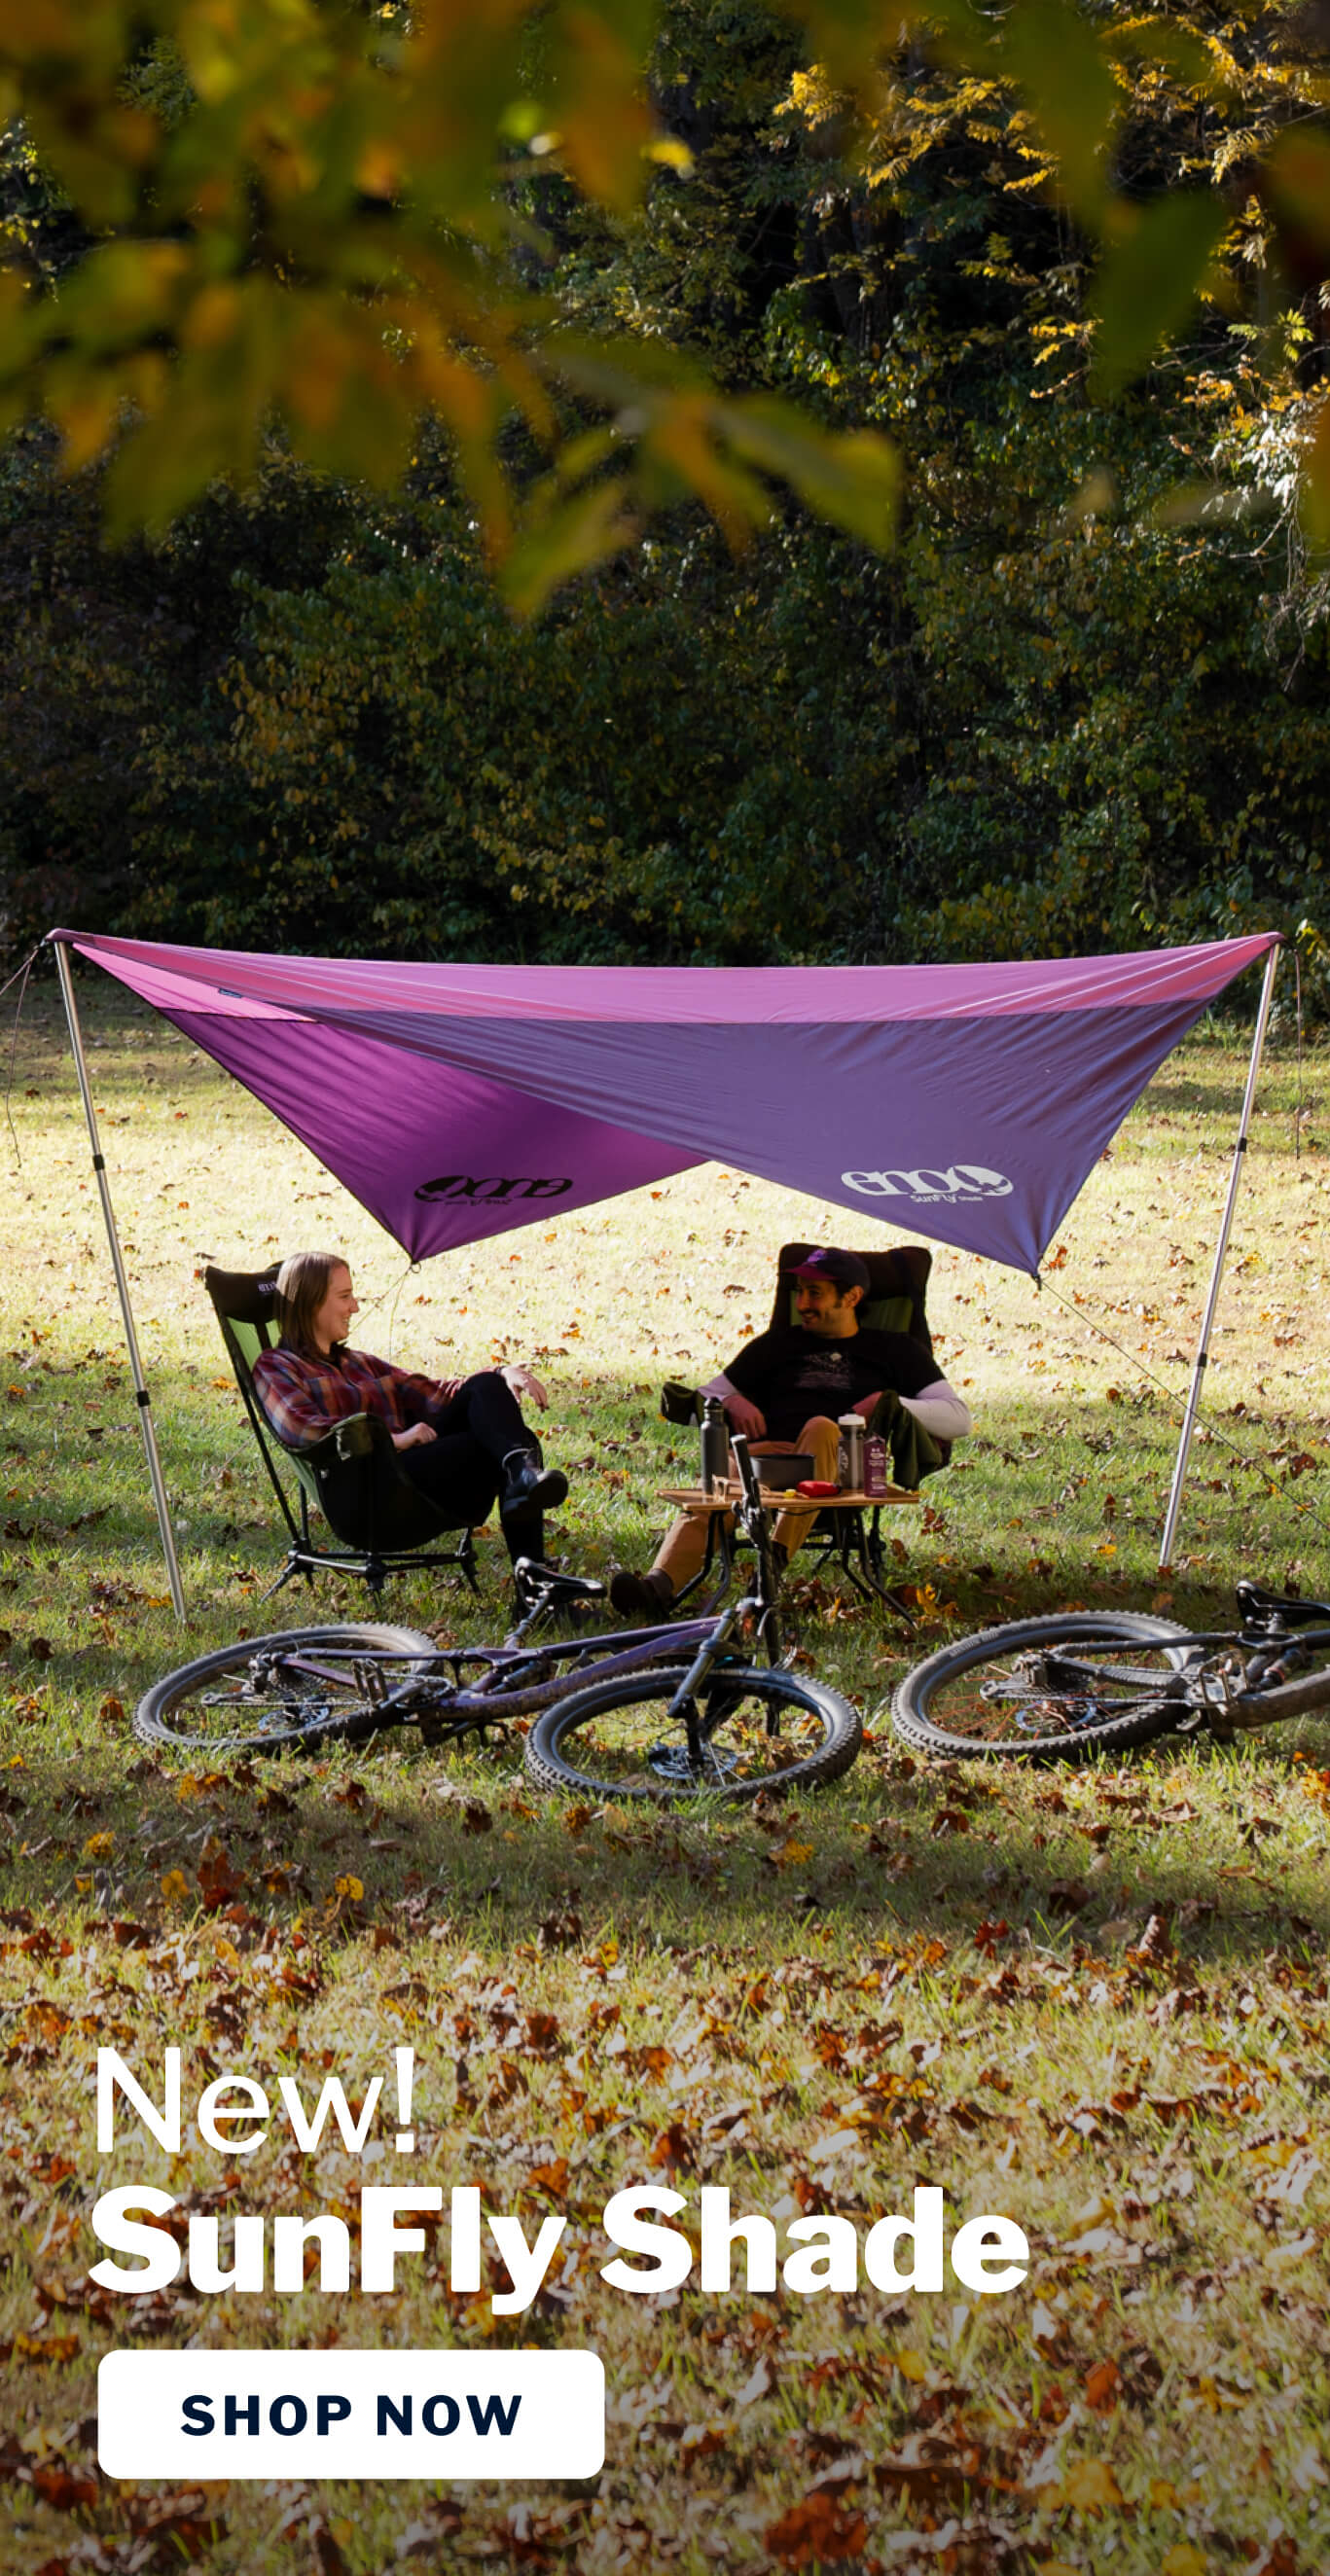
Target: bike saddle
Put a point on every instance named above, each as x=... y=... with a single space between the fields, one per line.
x=531 y=1576
x=1260 y=1606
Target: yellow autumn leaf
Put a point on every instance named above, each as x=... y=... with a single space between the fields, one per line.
x=1091 y=2487
x=674 y=154
x=86 y=415
x=911 y=2365
x=351 y=1886
x=789 y=1854
x=99 y=1846
x=175 y=1886
x=1184 y=2559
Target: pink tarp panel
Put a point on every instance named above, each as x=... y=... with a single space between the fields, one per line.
x=964 y=1102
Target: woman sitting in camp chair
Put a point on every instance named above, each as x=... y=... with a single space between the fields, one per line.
x=461 y=1440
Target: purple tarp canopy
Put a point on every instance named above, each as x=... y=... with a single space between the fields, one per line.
x=964 y=1102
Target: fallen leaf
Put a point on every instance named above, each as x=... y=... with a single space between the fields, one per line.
x=218 y=1884
x=816 y=2531
x=1183 y=2559
x=672 y=2148
x=1103 y=2386
x=1090 y=2486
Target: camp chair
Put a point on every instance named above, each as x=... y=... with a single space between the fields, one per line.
x=896 y=1303
x=384 y=1522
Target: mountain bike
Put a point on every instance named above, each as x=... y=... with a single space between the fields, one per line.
x=671 y=1712
x=1087 y=1681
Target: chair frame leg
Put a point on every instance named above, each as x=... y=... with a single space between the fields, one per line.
x=854 y=1541
x=368 y=1567
x=720 y=1546
x=294 y=1565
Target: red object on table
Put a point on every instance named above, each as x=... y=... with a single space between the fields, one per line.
x=817 y=1489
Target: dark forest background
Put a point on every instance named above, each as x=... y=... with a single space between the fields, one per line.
x=1083 y=706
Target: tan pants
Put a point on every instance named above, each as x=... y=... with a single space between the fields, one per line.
x=681 y=1552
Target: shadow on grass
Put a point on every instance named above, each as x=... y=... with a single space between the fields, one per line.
x=387 y=1843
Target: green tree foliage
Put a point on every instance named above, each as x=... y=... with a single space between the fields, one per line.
x=305 y=211
x=319 y=211
x=304 y=731
x=1082 y=705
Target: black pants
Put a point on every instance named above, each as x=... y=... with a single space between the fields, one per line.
x=462 y=1469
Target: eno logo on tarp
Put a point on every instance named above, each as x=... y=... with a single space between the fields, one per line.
x=461 y=1185
x=961 y=1181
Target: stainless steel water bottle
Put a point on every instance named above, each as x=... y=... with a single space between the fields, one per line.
x=715 y=1445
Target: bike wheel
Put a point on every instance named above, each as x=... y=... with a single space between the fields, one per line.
x=1009 y=1692
x=759 y=1729
x=275 y=1694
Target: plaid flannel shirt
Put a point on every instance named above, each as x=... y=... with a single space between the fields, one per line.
x=305 y=1398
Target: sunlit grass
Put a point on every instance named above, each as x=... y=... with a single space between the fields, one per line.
x=924 y=1975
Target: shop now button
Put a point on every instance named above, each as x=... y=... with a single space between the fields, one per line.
x=346 y=2414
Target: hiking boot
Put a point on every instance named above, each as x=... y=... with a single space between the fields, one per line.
x=653 y=1593
x=529 y=1485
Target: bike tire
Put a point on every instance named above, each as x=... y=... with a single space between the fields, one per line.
x=192 y=1711
x=597 y=1741
x=942 y=1706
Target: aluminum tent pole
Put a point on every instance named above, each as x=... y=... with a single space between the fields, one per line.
x=1203 y=1347
x=141 y=1395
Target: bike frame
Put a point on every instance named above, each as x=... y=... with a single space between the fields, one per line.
x=1210 y=1639
x=1230 y=1699
x=516 y=1681
x=519 y=1679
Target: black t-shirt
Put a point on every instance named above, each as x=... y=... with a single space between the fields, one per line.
x=791 y=1375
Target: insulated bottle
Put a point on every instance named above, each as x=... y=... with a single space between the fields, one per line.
x=715 y=1445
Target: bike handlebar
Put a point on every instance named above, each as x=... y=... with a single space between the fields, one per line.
x=748 y=1476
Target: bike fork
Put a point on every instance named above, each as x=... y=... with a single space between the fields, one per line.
x=684 y=1703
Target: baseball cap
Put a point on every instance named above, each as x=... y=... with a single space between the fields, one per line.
x=844 y=1269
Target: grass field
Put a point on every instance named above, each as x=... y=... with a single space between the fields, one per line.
x=1095 y=2002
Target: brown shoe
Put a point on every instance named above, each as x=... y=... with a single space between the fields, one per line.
x=653 y=1593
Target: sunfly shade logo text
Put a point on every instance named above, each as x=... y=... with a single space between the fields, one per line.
x=947 y=1188
x=490 y=1188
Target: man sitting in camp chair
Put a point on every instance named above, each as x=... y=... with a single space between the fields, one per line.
x=787 y=1389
